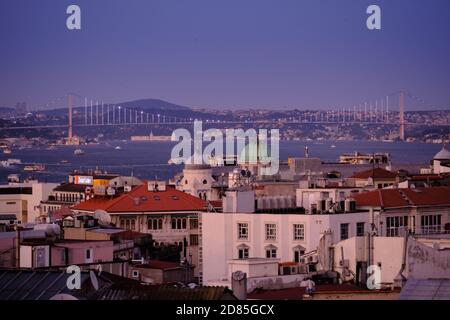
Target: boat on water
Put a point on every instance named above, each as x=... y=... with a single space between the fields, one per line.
x=4 y=164
x=34 y=167
x=361 y=158
x=333 y=146
x=7 y=151
x=14 y=161
x=52 y=148
x=78 y=152
x=118 y=148
x=64 y=161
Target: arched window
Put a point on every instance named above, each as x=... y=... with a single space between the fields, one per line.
x=243 y=251
x=298 y=252
x=174 y=223
x=160 y=224
x=204 y=181
x=122 y=223
x=133 y=224
x=127 y=224
x=184 y=224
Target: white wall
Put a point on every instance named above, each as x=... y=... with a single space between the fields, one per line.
x=388 y=251
x=220 y=236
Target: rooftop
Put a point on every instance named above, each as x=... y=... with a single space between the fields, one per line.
x=71 y=187
x=389 y=198
x=376 y=173
x=140 y=199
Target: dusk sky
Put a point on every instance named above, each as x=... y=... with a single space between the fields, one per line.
x=225 y=53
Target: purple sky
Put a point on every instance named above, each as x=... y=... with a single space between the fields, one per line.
x=225 y=53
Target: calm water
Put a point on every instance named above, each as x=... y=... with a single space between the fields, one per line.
x=149 y=159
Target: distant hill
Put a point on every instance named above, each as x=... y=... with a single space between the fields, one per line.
x=156 y=105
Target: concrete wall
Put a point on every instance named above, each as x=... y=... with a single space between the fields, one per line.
x=101 y=251
x=425 y=262
x=387 y=251
x=275 y=282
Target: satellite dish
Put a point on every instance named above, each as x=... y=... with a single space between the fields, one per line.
x=103 y=217
x=94 y=280
x=239 y=275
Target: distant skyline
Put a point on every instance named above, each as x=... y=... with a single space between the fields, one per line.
x=231 y=54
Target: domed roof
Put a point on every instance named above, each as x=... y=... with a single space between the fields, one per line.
x=444 y=154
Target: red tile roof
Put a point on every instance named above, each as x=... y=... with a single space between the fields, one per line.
x=142 y=200
x=386 y=198
x=63 y=212
x=377 y=173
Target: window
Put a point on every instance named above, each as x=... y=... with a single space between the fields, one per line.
x=271 y=231
x=395 y=224
x=88 y=254
x=243 y=252
x=360 y=229
x=430 y=223
x=298 y=252
x=193 y=240
x=179 y=223
x=193 y=223
x=155 y=223
x=271 y=252
x=299 y=231
x=135 y=274
x=344 y=231
x=243 y=231
x=204 y=181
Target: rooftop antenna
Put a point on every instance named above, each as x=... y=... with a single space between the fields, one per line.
x=306 y=152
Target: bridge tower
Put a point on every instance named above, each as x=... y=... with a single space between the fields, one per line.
x=69 y=106
x=402 y=115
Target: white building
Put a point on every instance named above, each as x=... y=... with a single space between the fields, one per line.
x=284 y=236
x=441 y=161
x=23 y=199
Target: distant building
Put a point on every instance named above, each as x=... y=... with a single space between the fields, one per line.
x=376 y=178
x=441 y=161
x=23 y=199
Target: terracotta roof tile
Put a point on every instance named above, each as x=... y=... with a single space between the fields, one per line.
x=404 y=197
x=142 y=200
x=377 y=173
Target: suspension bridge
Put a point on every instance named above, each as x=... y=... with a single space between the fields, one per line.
x=94 y=113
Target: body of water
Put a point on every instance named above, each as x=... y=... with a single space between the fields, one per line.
x=149 y=160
